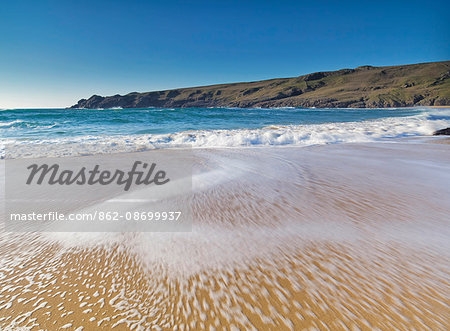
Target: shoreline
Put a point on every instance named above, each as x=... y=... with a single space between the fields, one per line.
x=435 y=139
x=224 y=107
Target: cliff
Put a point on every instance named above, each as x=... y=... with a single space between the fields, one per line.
x=423 y=84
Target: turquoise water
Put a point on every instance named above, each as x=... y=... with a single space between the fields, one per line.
x=32 y=124
x=63 y=132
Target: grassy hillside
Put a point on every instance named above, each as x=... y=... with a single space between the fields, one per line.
x=425 y=84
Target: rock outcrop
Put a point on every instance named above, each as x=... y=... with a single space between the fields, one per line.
x=423 y=84
x=442 y=132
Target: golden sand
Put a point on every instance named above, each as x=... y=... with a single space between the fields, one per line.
x=326 y=287
x=440 y=141
x=336 y=239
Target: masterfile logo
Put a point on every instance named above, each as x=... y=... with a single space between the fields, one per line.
x=55 y=175
x=140 y=192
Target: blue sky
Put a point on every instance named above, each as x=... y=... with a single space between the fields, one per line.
x=53 y=53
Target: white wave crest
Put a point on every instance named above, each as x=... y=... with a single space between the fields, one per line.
x=6 y=125
x=275 y=135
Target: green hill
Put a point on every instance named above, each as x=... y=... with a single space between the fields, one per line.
x=423 y=84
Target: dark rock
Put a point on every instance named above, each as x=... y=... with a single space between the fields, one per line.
x=441 y=79
x=314 y=76
x=442 y=102
x=442 y=132
x=173 y=93
x=293 y=92
x=367 y=67
x=418 y=98
x=251 y=90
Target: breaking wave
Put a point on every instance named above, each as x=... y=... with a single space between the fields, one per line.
x=272 y=135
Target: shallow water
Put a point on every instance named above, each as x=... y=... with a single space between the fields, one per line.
x=335 y=236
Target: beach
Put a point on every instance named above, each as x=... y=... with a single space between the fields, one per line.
x=335 y=236
x=220 y=165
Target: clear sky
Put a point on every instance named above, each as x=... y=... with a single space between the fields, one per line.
x=53 y=53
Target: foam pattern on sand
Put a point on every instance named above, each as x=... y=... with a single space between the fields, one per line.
x=330 y=237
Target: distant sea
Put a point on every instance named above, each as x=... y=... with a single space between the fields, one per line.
x=117 y=130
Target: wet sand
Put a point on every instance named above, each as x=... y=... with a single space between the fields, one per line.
x=324 y=237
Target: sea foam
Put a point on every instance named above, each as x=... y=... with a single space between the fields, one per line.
x=272 y=135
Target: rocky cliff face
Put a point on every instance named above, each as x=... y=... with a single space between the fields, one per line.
x=424 y=84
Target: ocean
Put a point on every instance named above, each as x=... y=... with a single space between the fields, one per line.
x=121 y=130
x=352 y=216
